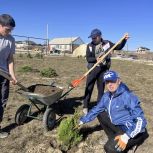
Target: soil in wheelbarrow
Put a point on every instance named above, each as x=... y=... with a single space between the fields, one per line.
x=46 y=90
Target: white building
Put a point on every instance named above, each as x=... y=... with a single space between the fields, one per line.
x=24 y=44
x=142 y=50
x=65 y=45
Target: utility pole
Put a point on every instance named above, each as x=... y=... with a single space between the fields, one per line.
x=127 y=47
x=47 y=40
x=71 y=45
x=28 y=45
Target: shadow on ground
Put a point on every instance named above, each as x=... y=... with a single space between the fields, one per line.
x=67 y=106
x=85 y=131
x=10 y=127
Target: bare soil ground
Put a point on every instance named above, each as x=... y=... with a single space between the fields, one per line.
x=31 y=137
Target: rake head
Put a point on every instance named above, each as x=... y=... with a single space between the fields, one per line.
x=76 y=82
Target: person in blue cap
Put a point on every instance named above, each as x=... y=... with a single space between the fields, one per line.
x=97 y=47
x=120 y=116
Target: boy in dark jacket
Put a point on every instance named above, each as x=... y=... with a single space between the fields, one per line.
x=96 y=48
x=120 y=116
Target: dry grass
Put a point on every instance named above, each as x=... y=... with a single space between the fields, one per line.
x=31 y=138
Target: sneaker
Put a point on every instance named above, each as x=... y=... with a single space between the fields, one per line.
x=3 y=135
x=85 y=111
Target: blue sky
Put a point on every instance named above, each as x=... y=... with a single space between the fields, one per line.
x=67 y=18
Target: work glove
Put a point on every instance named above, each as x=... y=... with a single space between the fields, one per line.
x=80 y=123
x=122 y=141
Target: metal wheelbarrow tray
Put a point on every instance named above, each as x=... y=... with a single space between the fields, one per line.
x=38 y=95
x=47 y=97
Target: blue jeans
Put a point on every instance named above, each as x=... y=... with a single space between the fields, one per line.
x=4 y=93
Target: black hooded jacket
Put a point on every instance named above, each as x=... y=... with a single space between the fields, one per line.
x=90 y=53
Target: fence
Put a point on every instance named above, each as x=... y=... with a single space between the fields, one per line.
x=26 y=44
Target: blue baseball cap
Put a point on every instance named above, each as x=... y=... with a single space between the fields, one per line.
x=95 y=33
x=111 y=76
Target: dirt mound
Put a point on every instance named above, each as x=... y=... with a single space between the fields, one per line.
x=44 y=89
x=80 y=51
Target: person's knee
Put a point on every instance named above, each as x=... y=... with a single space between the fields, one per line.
x=142 y=138
x=103 y=117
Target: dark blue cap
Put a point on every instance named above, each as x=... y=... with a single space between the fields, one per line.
x=111 y=76
x=95 y=33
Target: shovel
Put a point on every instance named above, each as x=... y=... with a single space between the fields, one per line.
x=8 y=76
x=76 y=82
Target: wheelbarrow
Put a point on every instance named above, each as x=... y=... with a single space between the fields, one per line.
x=50 y=95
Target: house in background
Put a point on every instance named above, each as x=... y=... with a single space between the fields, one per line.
x=64 y=45
x=26 y=44
x=142 y=50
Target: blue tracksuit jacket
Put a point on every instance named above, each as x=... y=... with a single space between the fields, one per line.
x=124 y=110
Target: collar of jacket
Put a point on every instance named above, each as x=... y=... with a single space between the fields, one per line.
x=102 y=42
x=121 y=88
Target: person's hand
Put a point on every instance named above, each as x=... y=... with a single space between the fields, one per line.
x=122 y=141
x=14 y=81
x=98 y=59
x=80 y=123
x=126 y=35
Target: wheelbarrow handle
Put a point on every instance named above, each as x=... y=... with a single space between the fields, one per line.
x=63 y=95
x=8 y=77
x=22 y=87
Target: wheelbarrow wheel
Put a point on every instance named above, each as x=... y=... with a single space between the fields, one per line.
x=49 y=119
x=21 y=114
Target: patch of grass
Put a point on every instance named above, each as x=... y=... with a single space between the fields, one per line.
x=29 y=55
x=68 y=135
x=48 y=72
x=21 y=55
x=39 y=55
x=79 y=56
x=25 y=69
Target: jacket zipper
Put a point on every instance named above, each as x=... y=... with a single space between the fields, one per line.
x=109 y=107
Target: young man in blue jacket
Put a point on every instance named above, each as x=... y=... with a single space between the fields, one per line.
x=120 y=116
x=97 y=47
